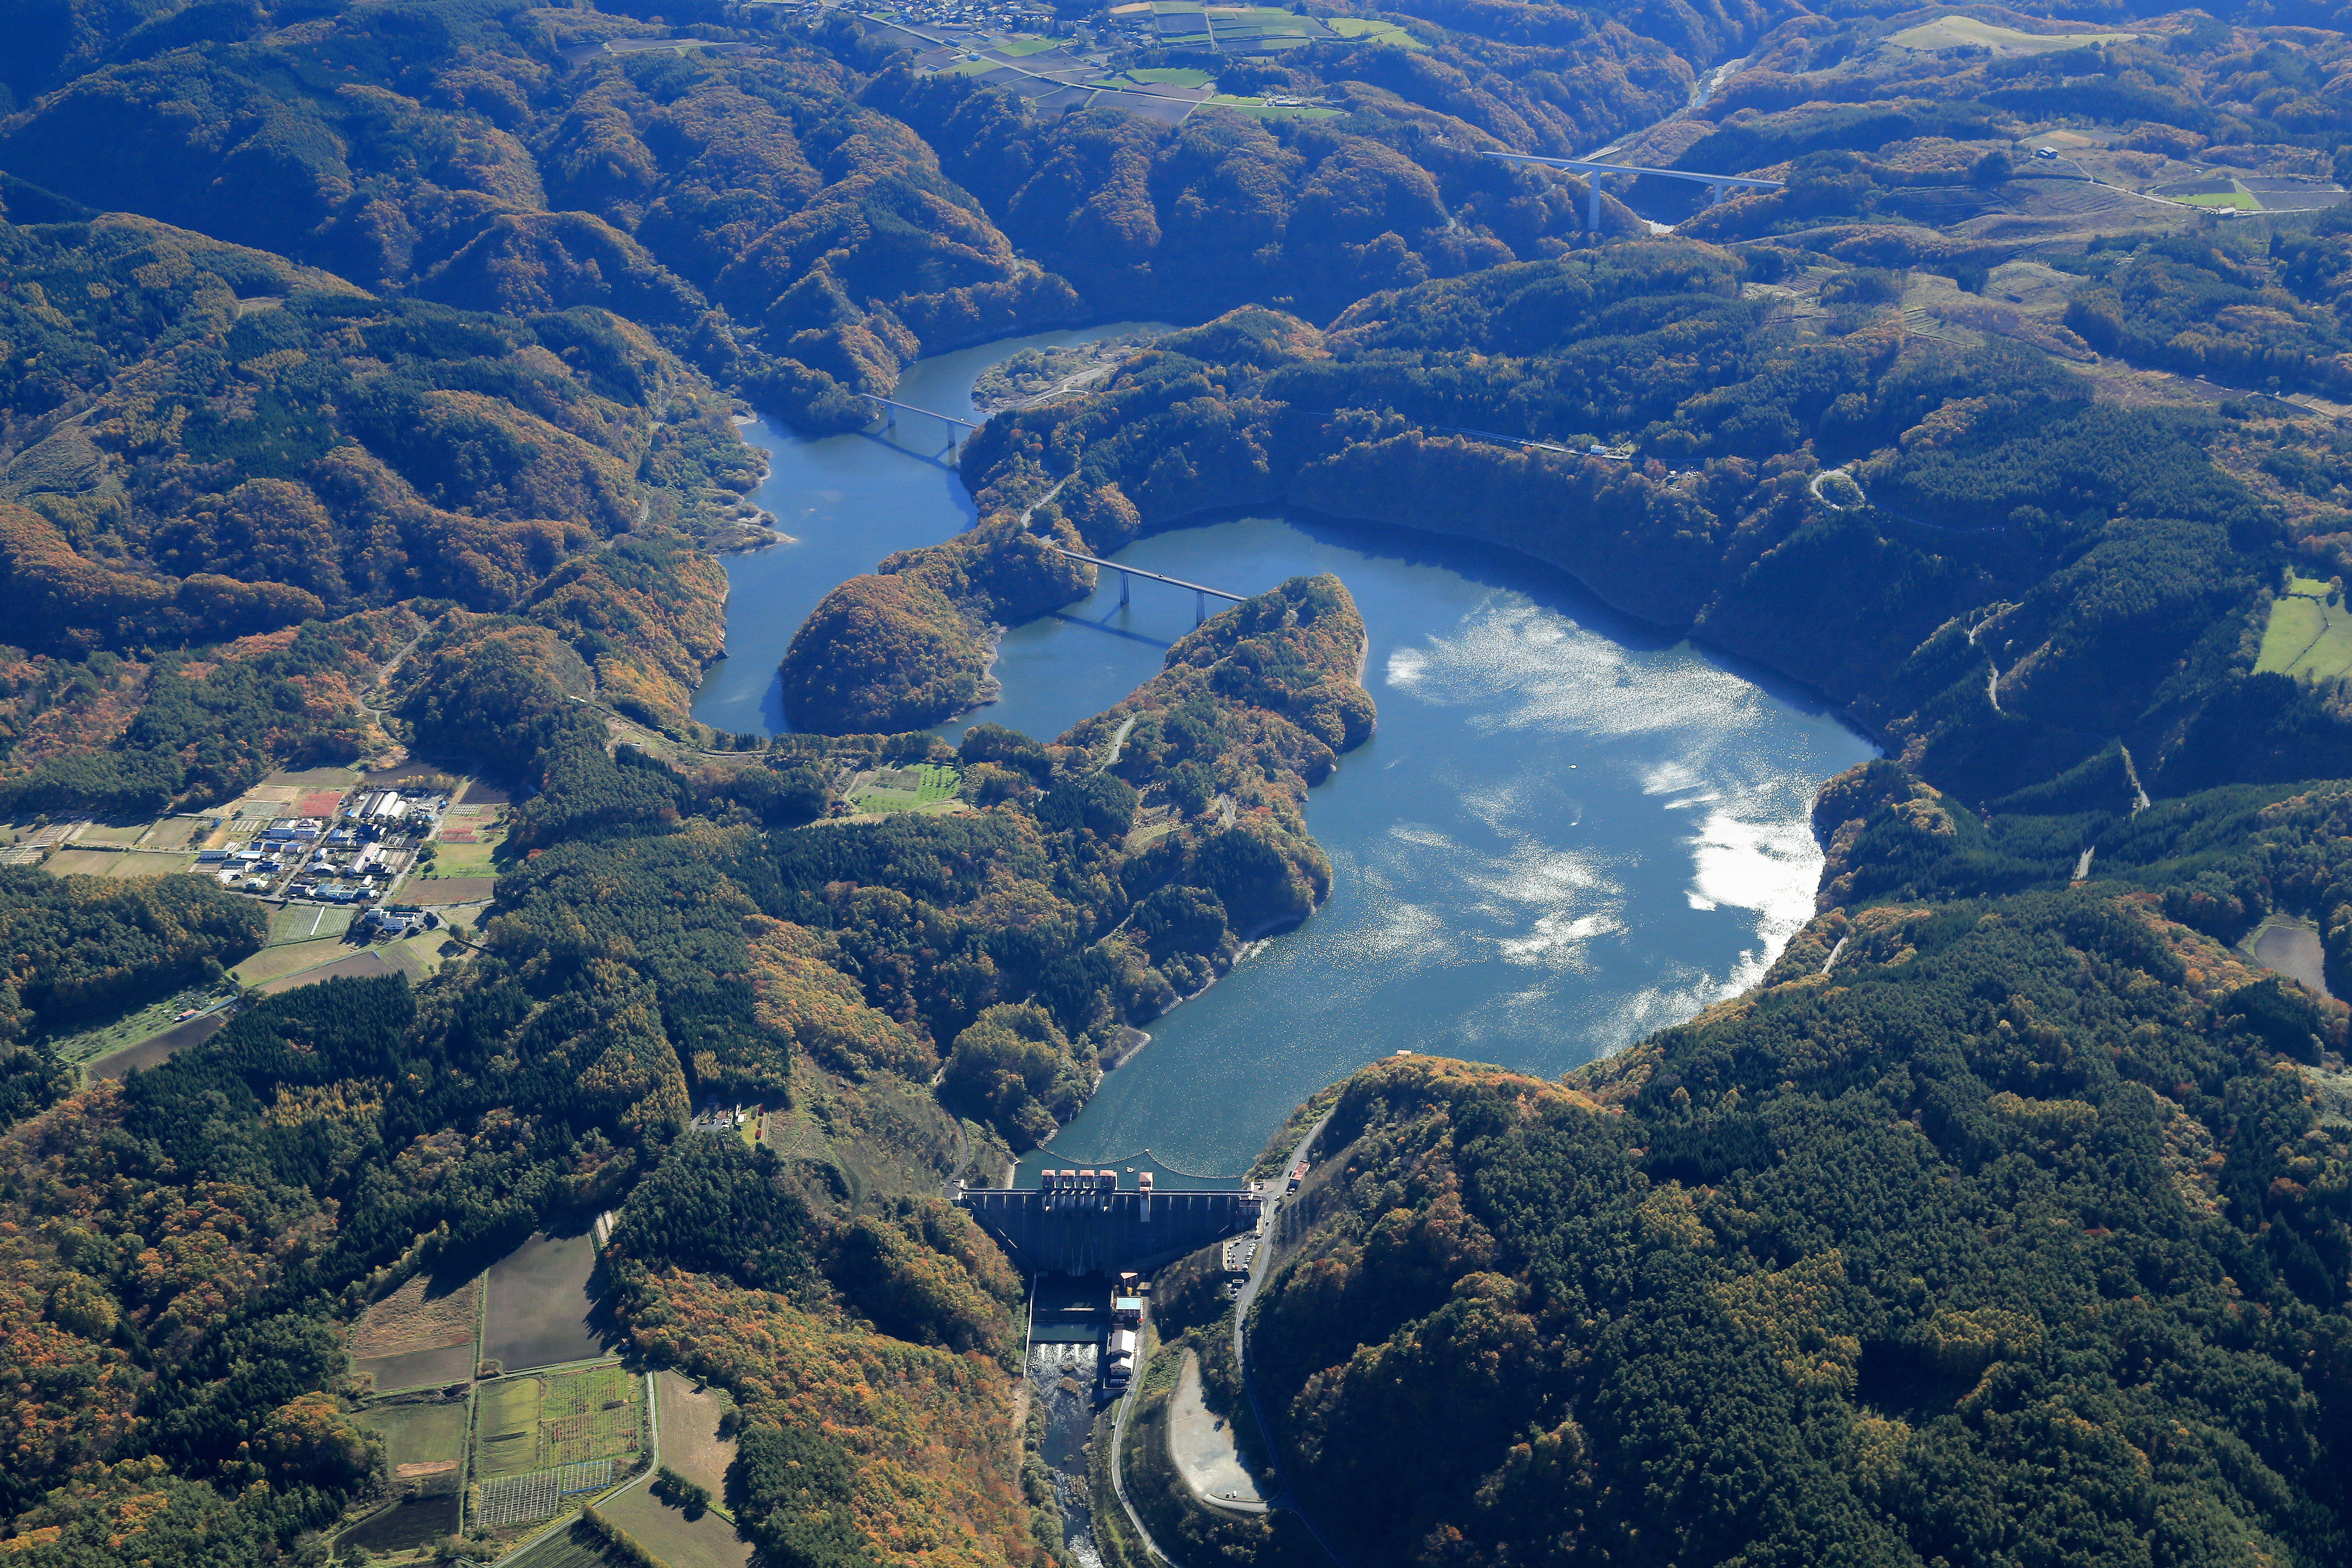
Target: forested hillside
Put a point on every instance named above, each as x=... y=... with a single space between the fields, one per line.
x=2035 y=571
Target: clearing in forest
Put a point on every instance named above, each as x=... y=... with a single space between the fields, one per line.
x=690 y=1442
x=663 y=1528
x=537 y=1306
x=2306 y=636
x=424 y=1443
x=924 y=787
x=1966 y=32
x=290 y=958
x=544 y=1439
x=358 y=966
x=422 y=1335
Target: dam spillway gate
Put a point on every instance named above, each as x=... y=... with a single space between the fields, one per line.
x=1101 y=1230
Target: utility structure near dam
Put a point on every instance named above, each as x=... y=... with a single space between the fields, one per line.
x=1201 y=593
x=1079 y=1222
x=1717 y=184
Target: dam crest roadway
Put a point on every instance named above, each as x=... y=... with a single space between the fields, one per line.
x=1079 y=1222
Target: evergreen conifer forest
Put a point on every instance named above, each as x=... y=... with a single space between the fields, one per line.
x=370 y=382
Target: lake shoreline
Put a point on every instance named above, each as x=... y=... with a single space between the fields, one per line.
x=1509 y=961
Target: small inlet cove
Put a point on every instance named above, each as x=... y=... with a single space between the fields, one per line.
x=1570 y=828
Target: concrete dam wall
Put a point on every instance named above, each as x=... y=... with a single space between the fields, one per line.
x=1105 y=1232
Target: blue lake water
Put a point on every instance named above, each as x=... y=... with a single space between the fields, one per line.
x=1570 y=830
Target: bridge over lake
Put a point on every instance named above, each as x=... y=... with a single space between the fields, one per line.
x=1718 y=185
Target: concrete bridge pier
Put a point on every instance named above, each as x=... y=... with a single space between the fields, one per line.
x=1124 y=583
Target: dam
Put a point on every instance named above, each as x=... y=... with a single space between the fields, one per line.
x=1081 y=1222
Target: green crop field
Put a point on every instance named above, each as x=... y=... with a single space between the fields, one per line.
x=126 y=1030
x=590 y=1414
x=140 y=863
x=505 y=1428
x=1379 y=32
x=307 y=922
x=2306 y=636
x=524 y=1425
x=461 y=859
x=290 y=958
x=922 y=787
x=423 y=1437
x=1171 y=76
x=80 y=863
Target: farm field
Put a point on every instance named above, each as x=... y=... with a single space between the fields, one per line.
x=421 y=1335
x=288 y=958
x=1257 y=108
x=125 y=1030
x=506 y=1427
x=423 y=1442
x=460 y=859
x=923 y=787
x=157 y=1047
x=2282 y=943
x=709 y=1542
x=443 y=1366
x=436 y=892
x=538 y=1304
x=575 y=1546
x=146 y=863
x=690 y=1443
x=305 y=922
x=543 y=1437
x=80 y=863
x=409 y=1524
x=1378 y=32
x=1955 y=32
x=296 y=782
x=358 y=966
x=413 y=956
x=2305 y=637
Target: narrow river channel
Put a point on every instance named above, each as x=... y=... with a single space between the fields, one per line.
x=1570 y=830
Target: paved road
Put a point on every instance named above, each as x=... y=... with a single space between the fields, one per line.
x=1119 y=1469
x=1283 y=1497
x=385 y=673
x=1241 y=1319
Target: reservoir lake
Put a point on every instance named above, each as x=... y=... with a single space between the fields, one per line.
x=1570 y=828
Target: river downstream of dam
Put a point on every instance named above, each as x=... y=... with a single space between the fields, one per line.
x=1570 y=828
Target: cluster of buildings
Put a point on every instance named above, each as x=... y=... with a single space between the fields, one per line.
x=976 y=16
x=352 y=857
x=722 y=1119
